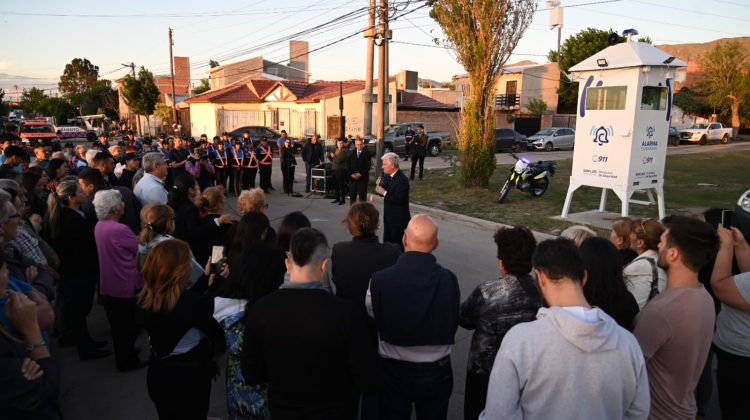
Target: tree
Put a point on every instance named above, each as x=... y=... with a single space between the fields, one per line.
x=537 y=106
x=79 y=76
x=164 y=112
x=575 y=49
x=213 y=63
x=726 y=78
x=691 y=102
x=483 y=34
x=205 y=86
x=31 y=99
x=141 y=94
x=59 y=108
x=4 y=107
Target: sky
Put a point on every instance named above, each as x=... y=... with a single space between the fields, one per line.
x=37 y=38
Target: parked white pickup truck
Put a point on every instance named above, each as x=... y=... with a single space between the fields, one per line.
x=702 y=133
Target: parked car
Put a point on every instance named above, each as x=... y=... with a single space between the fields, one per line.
x=395 y=134
x=256 y=132
x=703 y=133
x=674 y=137
x=71 y=133
x=553 y=138
x=38 y=131
x=507 y=139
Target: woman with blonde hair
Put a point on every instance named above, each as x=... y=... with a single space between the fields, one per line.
x=182 y=333
x=252 y=200
x=644 y=278
x=157 y=225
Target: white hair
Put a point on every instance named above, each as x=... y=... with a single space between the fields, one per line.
x=106 y=202
x=578 y=234
x=90 y=156
x=150 y=160
x=391 y=157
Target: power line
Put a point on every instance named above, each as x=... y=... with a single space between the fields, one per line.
x=661 y=22
x=690 y=11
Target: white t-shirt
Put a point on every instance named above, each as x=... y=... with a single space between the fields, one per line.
x=733 y=325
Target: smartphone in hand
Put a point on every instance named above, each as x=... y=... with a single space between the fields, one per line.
x=217 y=259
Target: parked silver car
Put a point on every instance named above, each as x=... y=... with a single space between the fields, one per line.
x=552 y=138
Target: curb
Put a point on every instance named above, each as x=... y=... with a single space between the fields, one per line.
x=466 y=220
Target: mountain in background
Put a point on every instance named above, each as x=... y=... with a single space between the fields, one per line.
x=8 y=83
x=692 y=53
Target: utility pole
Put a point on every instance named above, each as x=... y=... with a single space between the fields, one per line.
x=171 y=67
x=367 y=96
x=137 y=117
x=383 y=34
x=342 y=119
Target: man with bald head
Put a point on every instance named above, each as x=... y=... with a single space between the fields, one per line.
x=415 y=305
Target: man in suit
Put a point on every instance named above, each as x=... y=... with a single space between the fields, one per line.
x=394 y=187
x=358 y=164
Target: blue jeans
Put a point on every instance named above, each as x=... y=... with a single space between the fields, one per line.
x=426 y=386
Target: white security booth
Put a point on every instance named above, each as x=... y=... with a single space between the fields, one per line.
x=622 y=127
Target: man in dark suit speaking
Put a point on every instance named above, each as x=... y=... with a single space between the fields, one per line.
x=394 y=187
x=359 y=163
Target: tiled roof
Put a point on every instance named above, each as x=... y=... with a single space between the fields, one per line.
x=229 y=94
x=417 y=100
x=324 y=90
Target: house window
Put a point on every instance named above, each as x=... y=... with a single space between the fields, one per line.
x=654 y=98
x=510 y=90
x=606 y=97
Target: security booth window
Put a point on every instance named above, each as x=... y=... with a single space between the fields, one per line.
x=654 y=98
x=606 y=98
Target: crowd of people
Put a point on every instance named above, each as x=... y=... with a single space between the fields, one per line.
x=576 y=327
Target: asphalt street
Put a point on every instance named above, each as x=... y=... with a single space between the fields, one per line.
x=95 y=390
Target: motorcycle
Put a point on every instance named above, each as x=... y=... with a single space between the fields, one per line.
x=528 y=176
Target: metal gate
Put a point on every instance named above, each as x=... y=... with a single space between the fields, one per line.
x=564 y=120
x=527 y=125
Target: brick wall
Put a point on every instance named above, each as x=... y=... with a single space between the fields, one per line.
x=449 y=121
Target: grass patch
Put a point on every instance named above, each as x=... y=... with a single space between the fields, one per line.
x=693 y=183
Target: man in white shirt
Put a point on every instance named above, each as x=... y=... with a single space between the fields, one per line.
x=150 y=189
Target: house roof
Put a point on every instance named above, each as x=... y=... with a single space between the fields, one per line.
x=628 y=54
x=254 y=91
x=229 y=94
x=414 y=100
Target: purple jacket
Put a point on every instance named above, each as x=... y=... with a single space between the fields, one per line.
x=118 y=266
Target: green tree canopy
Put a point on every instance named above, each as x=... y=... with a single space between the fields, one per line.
x=31 y=99
x=4 y=107
x=205 y=86
x=141 y=93
x=79 y=76
x=483 y=34
x=726 y=78
x=537 y=106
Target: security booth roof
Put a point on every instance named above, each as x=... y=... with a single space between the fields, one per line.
x=628 y=54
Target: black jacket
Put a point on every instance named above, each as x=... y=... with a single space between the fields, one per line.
x=396 y=201
x=312 y=350
x=416 y=302
x=354 y=262
x=312 y=153
x=361 y=164
x=23 y=399
x=75 y=244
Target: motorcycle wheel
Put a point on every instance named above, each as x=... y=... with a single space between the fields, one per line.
x=539 y=187
x=504 y=192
